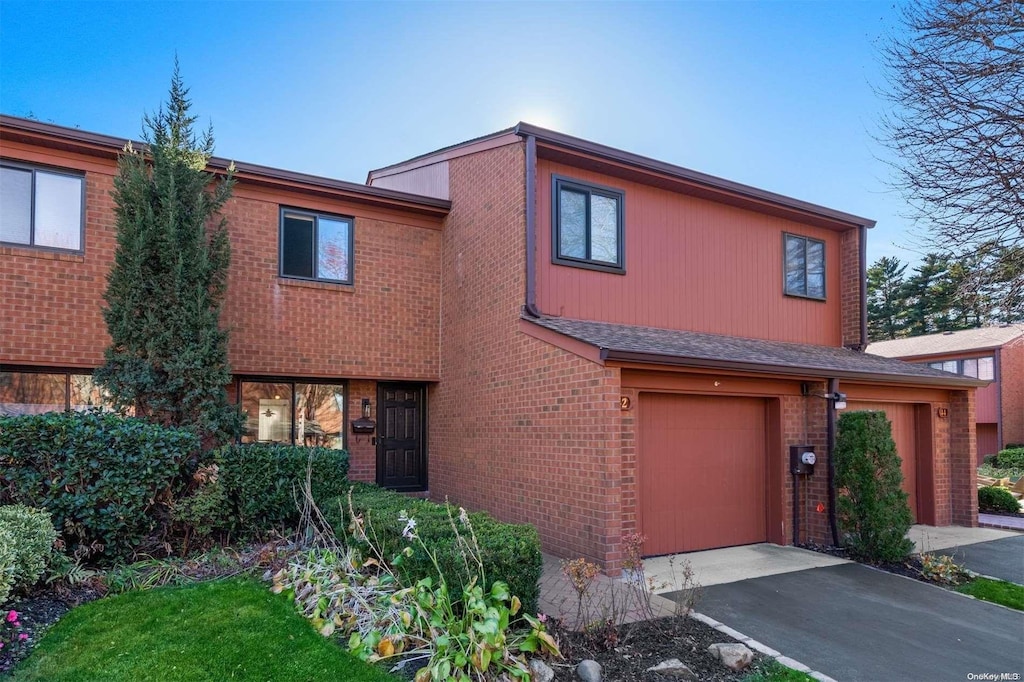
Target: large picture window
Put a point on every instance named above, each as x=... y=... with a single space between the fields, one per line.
x=316 y=246
x=804 y=266
x=37 y=392
x=588 y=226
x=294 y=412
x=41 y=208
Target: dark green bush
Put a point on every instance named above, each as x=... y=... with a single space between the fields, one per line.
x=995 y=499
x=1010 y=458
x=104 y=479
x=872 y=507
x=509 y=552
x=263 y=483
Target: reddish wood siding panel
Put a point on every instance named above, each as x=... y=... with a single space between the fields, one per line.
x=690 y=264
x=702 y=472
x=988 y=403
x=988 y=440
x=904 y=433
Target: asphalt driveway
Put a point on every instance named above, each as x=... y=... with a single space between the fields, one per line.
x=852 y=622
x=1002 y=559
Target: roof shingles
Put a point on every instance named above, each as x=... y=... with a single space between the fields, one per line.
x=672 y=346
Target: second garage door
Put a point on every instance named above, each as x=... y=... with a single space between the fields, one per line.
x=904 y=434
x=702 y=472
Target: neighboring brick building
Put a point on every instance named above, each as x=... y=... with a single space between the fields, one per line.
x=994 y=354
x=306 y=349
x=606 y=343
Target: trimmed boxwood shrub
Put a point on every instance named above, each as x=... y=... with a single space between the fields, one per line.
x=104 y=479
x=510 y=552
x=262 y=483
x=872 y=506
x=33 y=536
x=1010 y=458
x=995 y=499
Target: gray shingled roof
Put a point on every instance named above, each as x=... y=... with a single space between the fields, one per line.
x=947 y=342
x=696 y=349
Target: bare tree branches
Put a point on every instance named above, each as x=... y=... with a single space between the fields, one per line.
x=956 y=85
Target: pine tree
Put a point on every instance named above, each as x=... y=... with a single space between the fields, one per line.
x=167 y=360
x=887 y=299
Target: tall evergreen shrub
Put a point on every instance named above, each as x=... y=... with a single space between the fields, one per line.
x=872 y=507
x=168 y=355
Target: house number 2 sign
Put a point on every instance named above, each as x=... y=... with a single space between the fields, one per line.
x=625 y=402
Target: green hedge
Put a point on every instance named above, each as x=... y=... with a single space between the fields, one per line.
x=993 y=498
x=104 y=479
x=263 y=483
x=510 y=552
x=1010 y=458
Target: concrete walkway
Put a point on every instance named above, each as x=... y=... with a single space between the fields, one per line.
x=935 y=538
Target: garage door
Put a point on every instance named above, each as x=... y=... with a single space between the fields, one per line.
x=904 y=433
x=702 y=472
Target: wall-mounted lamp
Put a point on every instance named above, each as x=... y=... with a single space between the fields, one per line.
x=364 y=425
x=838 y=399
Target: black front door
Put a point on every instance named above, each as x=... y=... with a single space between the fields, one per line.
x=401 y=436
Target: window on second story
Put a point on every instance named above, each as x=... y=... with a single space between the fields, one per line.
x=588 y=226
x=41 y=208
x=978 y=368
x=804 y=266
x=316 y=246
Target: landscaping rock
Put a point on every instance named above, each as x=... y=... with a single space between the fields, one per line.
x=733 y=656
x=540 y=671
x=673 y=667
x=589 y=671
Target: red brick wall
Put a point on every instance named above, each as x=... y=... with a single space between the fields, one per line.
x=50 y=302
x=963 y=494
x=804 y=423
x=519 y=428
x=1011 y=370
x=383 y=326
x=849 y=254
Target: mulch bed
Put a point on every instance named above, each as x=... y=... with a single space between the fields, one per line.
x=910 y=568
x=625 y=653
x=36 y=613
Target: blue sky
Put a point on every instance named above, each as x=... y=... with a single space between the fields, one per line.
x=773 y=94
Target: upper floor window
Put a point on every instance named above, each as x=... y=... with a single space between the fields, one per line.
x=316 y=246
x=588 y=226
x=804 y=266
x=978 y=368
x=41 y=208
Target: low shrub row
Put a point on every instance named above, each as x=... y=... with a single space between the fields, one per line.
x=509 y=552
x=101 y=477
x=1010 y=458
x=995 y=499
x=111 y=483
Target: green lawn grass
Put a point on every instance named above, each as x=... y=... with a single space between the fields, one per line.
x=224 y=630
x=996 y=591
x=773 y=671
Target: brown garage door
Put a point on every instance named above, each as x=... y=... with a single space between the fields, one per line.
x=702 y=472
x=904 y=433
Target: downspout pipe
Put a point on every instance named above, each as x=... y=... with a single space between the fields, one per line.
x=863 y=247
x=531 y=227
x=830 y=421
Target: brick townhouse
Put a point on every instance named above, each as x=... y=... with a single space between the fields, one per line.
x=555 y=331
